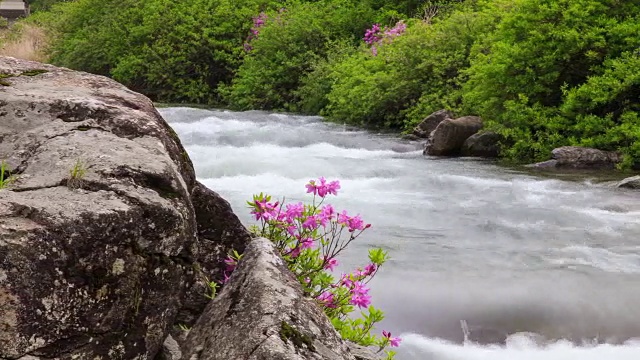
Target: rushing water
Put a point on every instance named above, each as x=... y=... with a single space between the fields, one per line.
x=529 y=268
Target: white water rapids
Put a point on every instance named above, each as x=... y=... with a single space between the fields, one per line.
x=501 y=251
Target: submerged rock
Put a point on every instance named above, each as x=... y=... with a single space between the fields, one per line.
x=630 y=183
x=103 y=230
x=580 y=158
x=424 y=129
x=447 y=139
x=262 y=315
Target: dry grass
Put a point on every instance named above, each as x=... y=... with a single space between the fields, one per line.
x=25 y=41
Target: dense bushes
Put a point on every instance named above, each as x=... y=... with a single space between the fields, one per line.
x=288 y=44
x=175 y=51
x=527 y=76
x=541 y=73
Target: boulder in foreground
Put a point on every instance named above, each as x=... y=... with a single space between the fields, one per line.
x=102 y=231
x=262 y=315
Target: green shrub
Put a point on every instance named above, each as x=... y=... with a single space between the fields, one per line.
x=287 y=47
x=415 y=74
x=543 y=54
x=170 y=50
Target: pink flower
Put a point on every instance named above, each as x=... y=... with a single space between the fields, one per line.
x=231 y=264
x=394 y=342
x=294 y=211
x=346 y=281
x=333 y=187
x=369 y=269
x=327 y=299
x=326 y=214
x=360 y=300
x=330 y=264
x=306 y=243
x=322 y=188
x=295 y=252
x=226 y=278
x=310 y=223
x=265 y=211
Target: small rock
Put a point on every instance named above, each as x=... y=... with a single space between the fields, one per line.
x=486 y=144
x=430 y=123
x=447 y=139
x=580 y=158
x=170 y=350
x=630 y=183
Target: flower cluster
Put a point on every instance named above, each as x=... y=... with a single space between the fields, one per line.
x=258 y=22
x=310 y=237
x=376 y=35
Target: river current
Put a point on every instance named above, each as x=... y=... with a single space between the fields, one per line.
x=523 y=267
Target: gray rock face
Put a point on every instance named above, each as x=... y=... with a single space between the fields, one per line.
x=431 y=122
x=99 y=264
x=447 y=139
x=580 y=158
x=630 y=183
x=484 y=144
x=262 y=315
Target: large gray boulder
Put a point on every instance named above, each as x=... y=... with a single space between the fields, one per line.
x=449 y=136
x=102 y=231
x=580 y=158
x=262 y=315
x=484 y=144
x=430 y=123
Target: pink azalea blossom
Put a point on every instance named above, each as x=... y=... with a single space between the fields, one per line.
x=327 y=299
x=295 y=252
x=310 y=223
x=294 y=211
x=360 y=300
x=331 y=264
x=322 y=188
x=306 y=243
x=393 y=341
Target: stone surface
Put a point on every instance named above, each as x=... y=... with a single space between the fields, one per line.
x=170 y=350
x=262 y=314
x=580 y=158
x=430 y=123
x=98 y=265
x=447 y=139
x=485 y=144
x=363 y=353
x=630 y=183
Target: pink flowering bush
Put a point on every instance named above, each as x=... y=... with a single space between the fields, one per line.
x=310 y=237
x=376 y=35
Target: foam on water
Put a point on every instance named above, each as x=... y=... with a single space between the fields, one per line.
x=518 y=347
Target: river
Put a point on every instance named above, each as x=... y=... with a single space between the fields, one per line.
x=510 y=256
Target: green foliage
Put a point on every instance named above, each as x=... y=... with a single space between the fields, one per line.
x=76 y=175
x=543 y=77
x=43 y=5
x=411 y=76
x=5 y=176
x=173 y=51
x=288 y=46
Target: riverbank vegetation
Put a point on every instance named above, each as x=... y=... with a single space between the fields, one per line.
x=541 y=73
